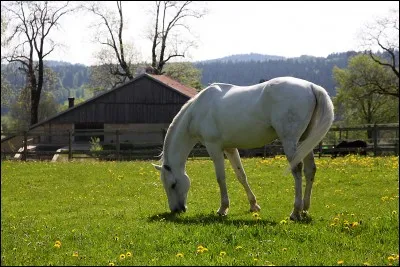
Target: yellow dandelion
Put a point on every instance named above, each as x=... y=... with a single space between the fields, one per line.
x=122 y=257
x=200 y=247
x=111 y=263
x=58 y=242
x=283 y=222
x=336 y=219
x=391 y=258
x=238 y=247
x=129 y=254
x=222 y=253
x=327 y=206
x=284 y=249
x=75 y=254
x=354 y=224
x=394 y=212
x=179 y=255
x=57 y=245
x=256 y=215
x=340 y=262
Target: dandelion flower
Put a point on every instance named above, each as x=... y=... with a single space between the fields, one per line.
x=200 y=247
x=256 y=215
x=354 y=224
x=284 y=249
x=391 y=258
x=283 y=222
x=57 y=245
x=111 y=263
x=394 y=212
x=75 y=254
x=129 y=254
x=222 y=253
x=122 y=257
x=179 y=255
x=340 y=262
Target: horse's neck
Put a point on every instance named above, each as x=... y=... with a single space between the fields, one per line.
x=178 y=144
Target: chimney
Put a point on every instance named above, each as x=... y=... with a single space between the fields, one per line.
x=71 y=102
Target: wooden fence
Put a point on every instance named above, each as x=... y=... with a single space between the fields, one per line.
x=381 y=140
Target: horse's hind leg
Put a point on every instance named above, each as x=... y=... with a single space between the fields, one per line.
x=309 y=172
x=234 y=158
x=290 y=148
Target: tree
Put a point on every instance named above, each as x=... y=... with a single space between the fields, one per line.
x=117 y=54
x=184 y=72
x=168 y=40
x=356 y=99
x=34 y=20
x=384 y=34
x=6 y=92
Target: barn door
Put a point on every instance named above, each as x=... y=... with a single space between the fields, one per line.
x=84 y=131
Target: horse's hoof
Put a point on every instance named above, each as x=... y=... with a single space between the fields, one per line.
x=255 y=208
x=295 y=217
x=222 y=213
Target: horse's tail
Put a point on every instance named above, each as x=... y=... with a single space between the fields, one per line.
x=320 y=123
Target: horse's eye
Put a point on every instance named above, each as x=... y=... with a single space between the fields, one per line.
x=173 y=185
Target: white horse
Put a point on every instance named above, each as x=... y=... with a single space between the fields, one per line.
x=225 y=117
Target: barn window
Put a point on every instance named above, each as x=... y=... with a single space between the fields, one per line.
x=84 y=131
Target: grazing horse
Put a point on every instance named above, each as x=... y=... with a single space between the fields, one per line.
x=225 y=117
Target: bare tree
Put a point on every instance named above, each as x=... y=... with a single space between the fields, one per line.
x=110 y=34
x=31 y=23
x=167 y=41
x=383 y=34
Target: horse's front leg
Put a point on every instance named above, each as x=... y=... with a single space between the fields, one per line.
x=234 y=158
x=217 y=156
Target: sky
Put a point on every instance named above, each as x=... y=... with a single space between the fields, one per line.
x=288 y=29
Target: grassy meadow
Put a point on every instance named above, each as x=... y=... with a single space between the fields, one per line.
x=116 y=213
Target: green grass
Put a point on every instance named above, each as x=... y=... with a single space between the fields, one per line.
x=100 y=210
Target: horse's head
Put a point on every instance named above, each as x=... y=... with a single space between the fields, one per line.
x=176 y=186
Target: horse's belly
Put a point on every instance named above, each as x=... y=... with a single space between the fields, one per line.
x=249 y=137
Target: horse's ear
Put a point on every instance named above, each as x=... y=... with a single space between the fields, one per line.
x=158 y=167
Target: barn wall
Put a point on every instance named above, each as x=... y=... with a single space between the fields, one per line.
x=53 y=133
x=136 y=133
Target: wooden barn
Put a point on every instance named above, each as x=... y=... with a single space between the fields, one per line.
x=141 y=110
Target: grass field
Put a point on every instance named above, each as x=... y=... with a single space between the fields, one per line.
x=116 y=213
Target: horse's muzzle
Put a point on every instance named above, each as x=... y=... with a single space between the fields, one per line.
x=179 y=209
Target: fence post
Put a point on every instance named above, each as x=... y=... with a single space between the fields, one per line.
x=320 y=149
x=117 y=143
x=69 y=144
x=25 y=154
x=375 y=136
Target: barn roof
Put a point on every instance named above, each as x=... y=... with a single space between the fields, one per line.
x=187 y=91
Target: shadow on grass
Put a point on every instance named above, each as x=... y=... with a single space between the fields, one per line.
x=213 y=218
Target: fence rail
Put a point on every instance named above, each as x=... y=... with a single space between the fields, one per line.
x=381 y=140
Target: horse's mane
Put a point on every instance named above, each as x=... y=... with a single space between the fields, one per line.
x=174 y=124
